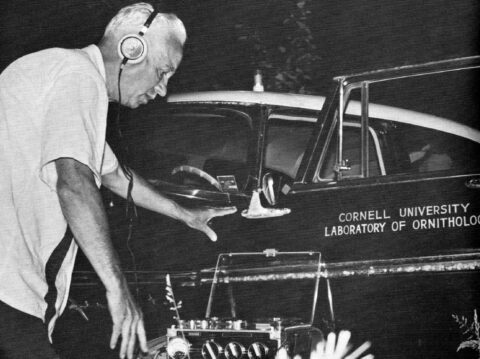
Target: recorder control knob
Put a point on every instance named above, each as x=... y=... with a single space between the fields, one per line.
x=234 y=350
x=211 y=350
x=257 y=350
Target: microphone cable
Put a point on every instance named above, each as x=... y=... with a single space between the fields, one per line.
x=130 y=208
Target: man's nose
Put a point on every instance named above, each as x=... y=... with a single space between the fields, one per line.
x=161 y=87
x=151 y=94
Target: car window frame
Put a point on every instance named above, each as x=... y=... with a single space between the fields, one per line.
x=339 y=98
x=295 y=115
x=376 y=143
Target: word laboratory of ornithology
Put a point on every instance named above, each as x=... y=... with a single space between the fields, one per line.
x=450 y=215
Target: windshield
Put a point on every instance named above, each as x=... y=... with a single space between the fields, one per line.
x=286 y=140
x=212 y=139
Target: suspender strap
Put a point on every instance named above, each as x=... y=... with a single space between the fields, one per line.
x=51 y=270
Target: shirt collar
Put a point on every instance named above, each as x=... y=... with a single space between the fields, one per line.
x=95 y=56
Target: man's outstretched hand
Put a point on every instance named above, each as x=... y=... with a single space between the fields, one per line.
x=199 y=218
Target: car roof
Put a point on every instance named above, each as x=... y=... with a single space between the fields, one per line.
x=314 y=102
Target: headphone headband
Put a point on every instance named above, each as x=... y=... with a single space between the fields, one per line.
x=148 y=22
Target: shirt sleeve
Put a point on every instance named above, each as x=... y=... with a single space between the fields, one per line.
x=110 y=162
x=74 y=126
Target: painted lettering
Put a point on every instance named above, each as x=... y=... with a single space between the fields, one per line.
x=433 y=210
x=354 y=229
x=446 y=222
x=370 y=215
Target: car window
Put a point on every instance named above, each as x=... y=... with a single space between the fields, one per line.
x=418 y=126
x=286 y=140
x=352 y=154
x=422 y=150
x=402 y=149
x=434 y=122
x=214 y=141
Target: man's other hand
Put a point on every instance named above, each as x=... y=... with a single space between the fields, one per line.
x=127 y=320
x=200 y=217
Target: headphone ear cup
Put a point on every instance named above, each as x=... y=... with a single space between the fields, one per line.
x=133 y=48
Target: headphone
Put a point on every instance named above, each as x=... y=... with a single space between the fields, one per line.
x=133 y=48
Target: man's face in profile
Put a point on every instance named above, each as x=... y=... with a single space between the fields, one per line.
x=142 y=82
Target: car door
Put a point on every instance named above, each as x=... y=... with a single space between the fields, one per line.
x=387 y=197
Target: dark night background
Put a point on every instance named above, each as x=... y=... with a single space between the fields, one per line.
x=350 y=36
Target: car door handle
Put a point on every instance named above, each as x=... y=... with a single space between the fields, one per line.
x=473 y=183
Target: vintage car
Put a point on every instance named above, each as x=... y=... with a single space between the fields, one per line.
x=382 y=177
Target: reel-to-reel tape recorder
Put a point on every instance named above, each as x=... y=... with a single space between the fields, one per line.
x=238 y=339
x=246 y=288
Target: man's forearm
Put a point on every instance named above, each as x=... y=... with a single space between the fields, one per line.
x=83 y=208
x=145 y=195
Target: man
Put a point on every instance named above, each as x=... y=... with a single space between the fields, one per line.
x=53 y=158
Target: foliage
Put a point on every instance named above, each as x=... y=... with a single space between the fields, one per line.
x=287 y=63
x=470 y=330
x=174 y=306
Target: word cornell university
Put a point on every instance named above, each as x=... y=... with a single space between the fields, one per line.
x=450 y=215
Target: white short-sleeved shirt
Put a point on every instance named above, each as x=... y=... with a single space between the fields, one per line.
x=53 y=104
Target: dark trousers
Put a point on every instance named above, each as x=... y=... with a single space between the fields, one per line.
x=23 y=336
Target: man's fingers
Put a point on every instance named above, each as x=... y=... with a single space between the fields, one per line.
x=223 y=211
x=216 y=212
x=116 y=330
x=210 y=233
x=133 y=338
x=142 y=337
x=126 y=331
x=131 y=327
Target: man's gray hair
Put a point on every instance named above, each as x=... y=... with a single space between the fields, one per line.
x=136 y=15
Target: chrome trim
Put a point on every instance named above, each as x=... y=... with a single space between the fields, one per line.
x=462 y=262
x=399 y=72
x=370 y=182
x=250 y=98
x=427 y=264
x=364 y=131
x=340 y=165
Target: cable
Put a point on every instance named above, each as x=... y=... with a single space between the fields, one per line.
x=130 y=207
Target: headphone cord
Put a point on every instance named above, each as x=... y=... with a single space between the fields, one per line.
x=130 y=208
